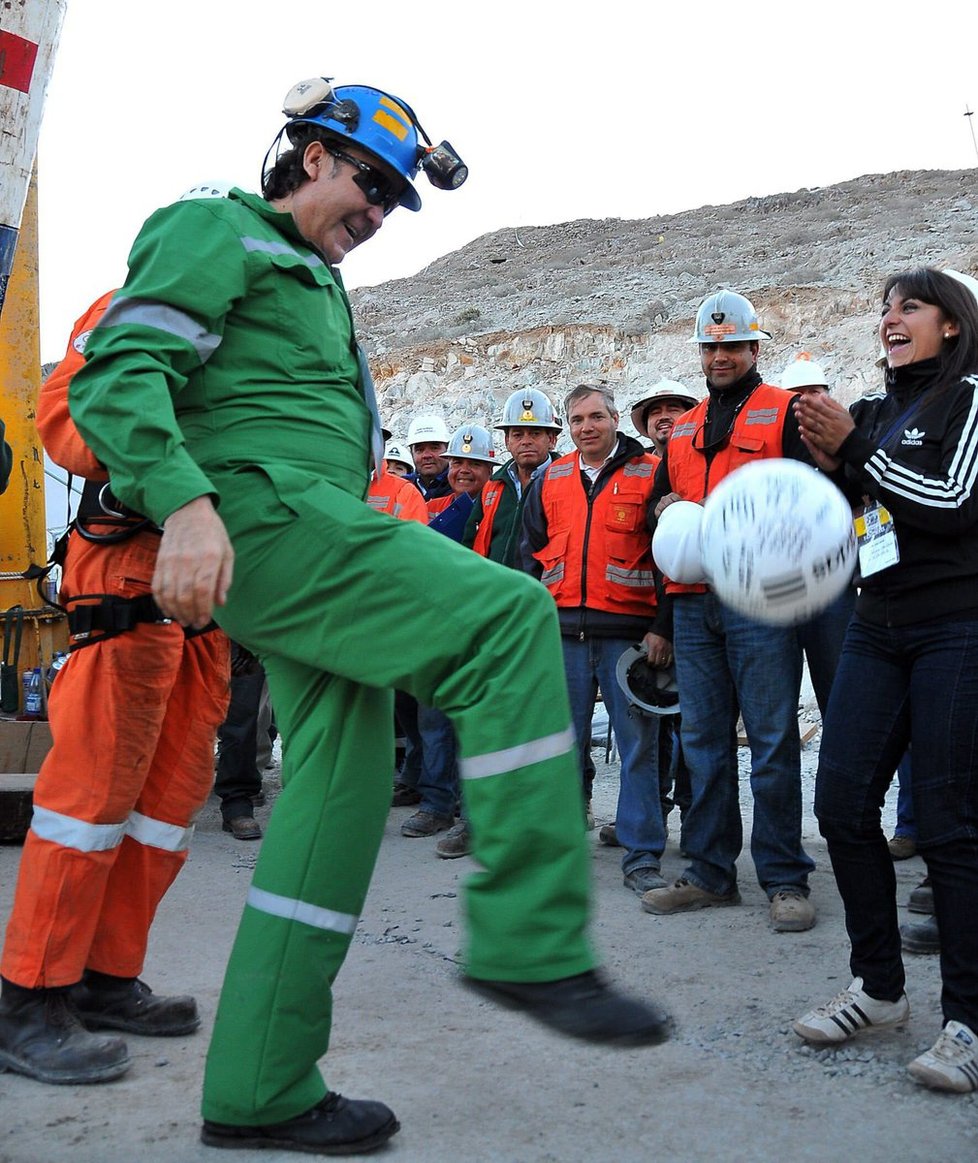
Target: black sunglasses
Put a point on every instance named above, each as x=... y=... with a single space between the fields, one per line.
x=377 y=188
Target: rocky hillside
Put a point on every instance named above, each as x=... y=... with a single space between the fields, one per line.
x=614 y=300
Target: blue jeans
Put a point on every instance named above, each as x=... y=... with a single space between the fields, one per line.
x=725 y=661
x=895 y=686
x=821 y=639
x=638 y=820
x=438 y=781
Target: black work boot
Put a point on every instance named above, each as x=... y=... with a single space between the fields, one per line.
x=334 y=1126
x=105 y=1002
x=41 y=1036
x=922 y=937
x=585 y=1006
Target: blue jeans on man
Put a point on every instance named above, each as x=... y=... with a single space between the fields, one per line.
x=725 y=663
x=590 y=665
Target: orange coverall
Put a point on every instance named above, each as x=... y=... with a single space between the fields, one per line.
x=133 y=721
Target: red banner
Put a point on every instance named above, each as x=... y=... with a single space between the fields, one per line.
x=17 y=58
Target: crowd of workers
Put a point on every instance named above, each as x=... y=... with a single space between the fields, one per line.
x=222 y=413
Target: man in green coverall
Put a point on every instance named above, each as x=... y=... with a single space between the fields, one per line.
x=226 y=393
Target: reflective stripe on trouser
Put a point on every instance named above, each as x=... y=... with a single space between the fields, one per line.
x=383 y=603
x=133 y=722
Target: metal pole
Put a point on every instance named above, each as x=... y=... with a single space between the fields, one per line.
x=29 y=32
x=969 y=113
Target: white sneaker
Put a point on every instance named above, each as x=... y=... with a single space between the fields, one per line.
x=851 y=1012
x=951 y=1063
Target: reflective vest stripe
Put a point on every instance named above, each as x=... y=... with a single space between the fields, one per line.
x=72 y=833
x=550 y=576
x=637 y=469
x=158 y=834
x=269 y=246
x=641 y=578
x=306 y=914
x=556 y=471
x=379 y=503
x=513 y=758
x=160 y=317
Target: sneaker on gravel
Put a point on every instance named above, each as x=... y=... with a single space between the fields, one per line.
x=902 y=847
x=791 y=912
x=921 y=900
x=608 y=835
x=456 y=842
x=642 y=880
x=848 y=1013
x=426 y=824
x=683 y=897
x=951 y=1063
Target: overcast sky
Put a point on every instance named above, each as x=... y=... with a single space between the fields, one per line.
x=627 y=110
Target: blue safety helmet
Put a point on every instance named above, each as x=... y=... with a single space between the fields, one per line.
x=385 y=126
x=376 y=121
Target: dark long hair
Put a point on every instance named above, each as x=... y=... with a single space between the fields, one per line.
x=959 y=354
x=286 y=173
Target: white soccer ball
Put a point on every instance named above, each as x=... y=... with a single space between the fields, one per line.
x=777 y=541
x=676 y=543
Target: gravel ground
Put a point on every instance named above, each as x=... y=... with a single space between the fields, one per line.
x=472 y=1084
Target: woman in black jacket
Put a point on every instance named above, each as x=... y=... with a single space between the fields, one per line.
x=909 y=668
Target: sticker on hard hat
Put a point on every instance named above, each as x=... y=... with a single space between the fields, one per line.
x=718 y=330
x=527 y=415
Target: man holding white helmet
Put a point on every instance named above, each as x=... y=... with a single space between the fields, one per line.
x=725 y=661
x=654 y=415
x=585 y=536
x=427 y=439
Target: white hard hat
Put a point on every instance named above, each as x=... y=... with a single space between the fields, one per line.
x=778 y=541
x=529 y=408
x=965 y=280
x=726 y=317
x=803 y=372
x=427 y=428
x=650 y=690
x=473 y=442
x=395 y=450
x=206 y=190
x=663 y=390
x=676 y=543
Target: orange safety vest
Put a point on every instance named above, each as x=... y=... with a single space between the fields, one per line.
x=617 y=576
x=756 y=435
x=491 y=492
x=395 y=495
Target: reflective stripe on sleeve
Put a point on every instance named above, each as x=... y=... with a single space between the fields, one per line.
x=306 y=914
x=268 y=246
x=157 y=834
x=161 y=317
x=512 y=758
x=77 y=834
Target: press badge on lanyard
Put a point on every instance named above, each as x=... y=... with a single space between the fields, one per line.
x=878 y=548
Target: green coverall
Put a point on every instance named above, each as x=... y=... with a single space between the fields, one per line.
x=226 y=366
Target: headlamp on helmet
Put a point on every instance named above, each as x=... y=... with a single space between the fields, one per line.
x=380 y=123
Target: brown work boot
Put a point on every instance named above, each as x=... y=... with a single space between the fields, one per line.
x=456 y=842
x=41 y=1036
x=684 y=897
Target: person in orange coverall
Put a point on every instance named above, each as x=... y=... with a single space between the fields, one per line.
x=133 y=715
